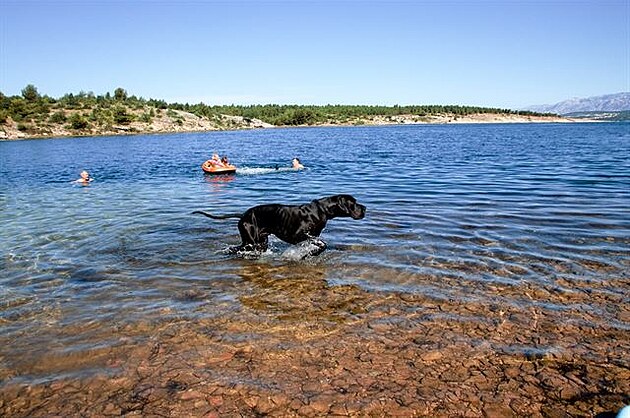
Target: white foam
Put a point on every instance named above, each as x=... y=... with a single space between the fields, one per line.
x=300 y=251
x=253 y=171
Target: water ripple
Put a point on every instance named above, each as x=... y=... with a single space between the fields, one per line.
x=526 y=215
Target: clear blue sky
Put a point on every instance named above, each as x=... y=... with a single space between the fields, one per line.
x=488 y=53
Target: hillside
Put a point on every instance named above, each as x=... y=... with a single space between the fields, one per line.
x=32 y=115
x=606 y=103
x=80 y=122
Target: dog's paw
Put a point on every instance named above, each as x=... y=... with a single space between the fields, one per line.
x=303 y=250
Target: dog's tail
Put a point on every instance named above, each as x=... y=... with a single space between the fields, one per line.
x=226 y=216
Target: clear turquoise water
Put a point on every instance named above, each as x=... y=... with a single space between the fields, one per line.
x=453 y=211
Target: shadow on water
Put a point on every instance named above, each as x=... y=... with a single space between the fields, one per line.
x=294 y=291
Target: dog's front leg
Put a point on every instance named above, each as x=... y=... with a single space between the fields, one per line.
x=317 y=246
x=320 y=247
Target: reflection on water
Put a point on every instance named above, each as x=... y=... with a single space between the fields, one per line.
x=217 y=183
x=528 y=217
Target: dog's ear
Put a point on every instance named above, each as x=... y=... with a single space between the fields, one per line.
x=347 y=201
x=331 y=205
x=345 y=204
x=346 y=197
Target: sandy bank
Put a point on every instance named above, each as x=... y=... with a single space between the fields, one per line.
x=178 y=121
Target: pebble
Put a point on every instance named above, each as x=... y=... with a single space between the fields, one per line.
x=432 y=356
x=299 y=351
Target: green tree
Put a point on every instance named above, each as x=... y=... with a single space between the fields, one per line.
x=18 y=109
x=69 y=101
x=120 y=94
x=30 y=93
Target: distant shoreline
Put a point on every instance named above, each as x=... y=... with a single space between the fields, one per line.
x=190 y=123
x=34 y=116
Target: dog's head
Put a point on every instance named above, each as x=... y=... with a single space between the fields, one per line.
x=342 y=206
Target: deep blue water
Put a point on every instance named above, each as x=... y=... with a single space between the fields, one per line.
x=452 y=211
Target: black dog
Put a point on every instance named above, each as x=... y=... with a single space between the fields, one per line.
x=292 y=224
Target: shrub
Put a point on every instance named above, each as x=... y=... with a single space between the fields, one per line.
x=146 y=117
x=102 y=116
x=58 y=117
x=78 y=121
x=121 y=116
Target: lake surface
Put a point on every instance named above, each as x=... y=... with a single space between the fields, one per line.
x=454 y=213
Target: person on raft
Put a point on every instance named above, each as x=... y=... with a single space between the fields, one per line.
x=216 y=161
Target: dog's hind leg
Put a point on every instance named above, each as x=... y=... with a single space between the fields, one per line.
x=252 y=240
x=263 y=243
x=260 y=246
x=249 y=233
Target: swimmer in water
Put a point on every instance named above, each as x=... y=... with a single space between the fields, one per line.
x=85 y=178
x=296 y=164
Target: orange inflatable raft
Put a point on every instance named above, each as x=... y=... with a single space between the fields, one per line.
x=210 y=168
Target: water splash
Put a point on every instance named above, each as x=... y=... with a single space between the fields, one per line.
x=255 y=171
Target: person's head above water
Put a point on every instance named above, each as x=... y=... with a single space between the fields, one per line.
x=296 y=163
x=85 y=177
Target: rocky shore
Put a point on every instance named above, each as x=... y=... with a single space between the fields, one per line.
x=172 y=121
x=175 y=121
x=296 y=346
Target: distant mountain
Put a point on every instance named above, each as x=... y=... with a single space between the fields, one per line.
x=607 y=103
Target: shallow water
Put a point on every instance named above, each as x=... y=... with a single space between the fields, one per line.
x=482 y=213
